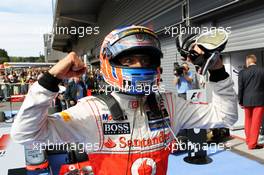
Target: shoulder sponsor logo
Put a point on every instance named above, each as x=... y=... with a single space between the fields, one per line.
x=116 y=128
x=65 y=116
x=107 y=117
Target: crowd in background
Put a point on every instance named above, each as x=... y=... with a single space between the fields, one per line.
x=75 y=88
x=18 y=81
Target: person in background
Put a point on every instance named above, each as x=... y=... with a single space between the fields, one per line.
x=5 y=88
x=90 y=83
x=183 y=82
x=23 y=80
x=75 y=91
x=62 y=101
x=13 y=80
x=30 y=82
x=2 y=86
x=251 y=98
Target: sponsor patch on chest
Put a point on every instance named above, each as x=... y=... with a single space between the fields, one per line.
x=116 y=128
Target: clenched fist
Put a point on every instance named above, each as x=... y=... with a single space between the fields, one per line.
x=70 y=66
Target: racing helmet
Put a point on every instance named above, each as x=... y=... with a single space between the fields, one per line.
x=212 y=42
x=184 y=43
x=125 y=42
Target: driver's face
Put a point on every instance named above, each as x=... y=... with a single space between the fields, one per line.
x=135 y=61
x=197 y=50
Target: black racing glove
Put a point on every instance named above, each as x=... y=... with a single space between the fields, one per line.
x=49 y=82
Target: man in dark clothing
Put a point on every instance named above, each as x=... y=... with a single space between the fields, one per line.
x=251 y=97
x=75 y=91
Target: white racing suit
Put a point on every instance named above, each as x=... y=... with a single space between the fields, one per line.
x=135 y=146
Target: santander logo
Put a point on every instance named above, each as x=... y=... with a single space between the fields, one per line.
x=124 y=142
x=144 y=166
x=109 y=143
x=145 y=142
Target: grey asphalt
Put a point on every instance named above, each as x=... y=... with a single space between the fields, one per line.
x=239 y=146
x=5 y=106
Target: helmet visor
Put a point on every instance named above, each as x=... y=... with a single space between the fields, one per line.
x=213 y=39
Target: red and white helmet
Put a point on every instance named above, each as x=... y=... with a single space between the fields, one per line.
x=126 y=41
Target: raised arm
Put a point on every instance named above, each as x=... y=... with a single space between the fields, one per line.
x=76 y=124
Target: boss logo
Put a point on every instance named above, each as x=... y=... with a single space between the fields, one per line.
x=116 y=128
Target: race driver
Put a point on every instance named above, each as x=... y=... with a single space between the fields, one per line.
x=136 y=144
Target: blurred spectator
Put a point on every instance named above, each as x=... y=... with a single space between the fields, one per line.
x=183 y=81
x=30 y=82
x=74 y=91
x=13 y=80
x=24 y=86
x=90 y=83
x=62 y=101
x=251 y=98
x=5 y=87
x=99 y=80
